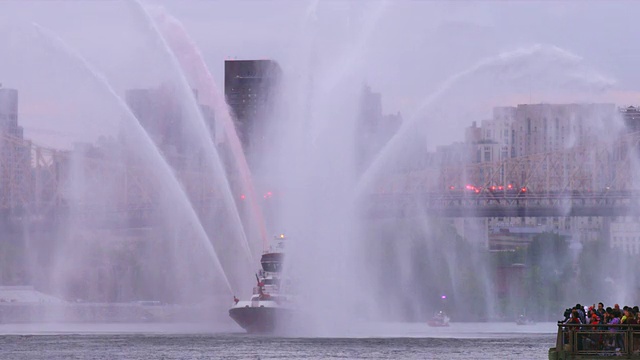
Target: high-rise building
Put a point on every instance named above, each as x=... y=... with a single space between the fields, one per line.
x=370 y=111
x=9 y=112
x=15 y=154
x=367 y=126
x=250 y=87
x=543 y=128
x=373 y=129
x=530 y=130
x=161 y=114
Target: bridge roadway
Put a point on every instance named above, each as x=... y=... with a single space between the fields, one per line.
x=389 y=206
x=551 y=204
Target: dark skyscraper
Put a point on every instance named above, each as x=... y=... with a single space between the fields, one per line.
x=250 y=87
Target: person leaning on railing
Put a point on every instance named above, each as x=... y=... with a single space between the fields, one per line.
x=567 y=316
x=629 y=316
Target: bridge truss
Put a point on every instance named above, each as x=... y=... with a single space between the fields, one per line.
x=41 y=181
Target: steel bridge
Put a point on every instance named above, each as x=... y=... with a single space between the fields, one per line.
x=604 y=204
x=596 y=180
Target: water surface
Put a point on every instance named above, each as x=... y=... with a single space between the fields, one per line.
x=186 y=341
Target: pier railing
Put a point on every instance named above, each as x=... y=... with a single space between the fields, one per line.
x=599 y=340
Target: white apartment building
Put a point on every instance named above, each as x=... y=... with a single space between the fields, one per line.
x=624 y=234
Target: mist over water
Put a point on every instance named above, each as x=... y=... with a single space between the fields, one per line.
x=194 y=66
x=192 y=222
x=170 y=188
x=360 y=269
x=196 y=130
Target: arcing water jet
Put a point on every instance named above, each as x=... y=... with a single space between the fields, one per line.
x=177 y=195
x=198 y=129
x=193 y=63
x=518 y=62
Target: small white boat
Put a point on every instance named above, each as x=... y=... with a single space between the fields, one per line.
x=439 y=319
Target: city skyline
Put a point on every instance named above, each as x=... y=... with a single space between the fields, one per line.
x=624 y=118
x=360 y=170
x=463 y=35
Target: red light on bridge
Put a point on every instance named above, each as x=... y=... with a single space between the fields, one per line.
x=509 y=186
x=242 y=197
x=524 y=189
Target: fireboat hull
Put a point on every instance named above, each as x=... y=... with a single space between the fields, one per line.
x=260 y=319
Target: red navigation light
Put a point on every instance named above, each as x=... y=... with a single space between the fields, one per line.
x=510 y=186
x=452 y=187
x=493 y=187
x=242 y=197
x=500 y=187
x=269 y=193
x=524 y=189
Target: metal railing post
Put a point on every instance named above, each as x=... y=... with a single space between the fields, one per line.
x=572 y=342
x=629 y=340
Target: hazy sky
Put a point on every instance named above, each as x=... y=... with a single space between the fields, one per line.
x=408 y=50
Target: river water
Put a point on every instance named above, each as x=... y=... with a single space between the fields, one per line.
x=175 y=341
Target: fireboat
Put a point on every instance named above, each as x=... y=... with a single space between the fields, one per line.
x=270 y=305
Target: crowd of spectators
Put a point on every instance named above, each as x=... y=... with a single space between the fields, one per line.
x=603 y=327
x=594 y=315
